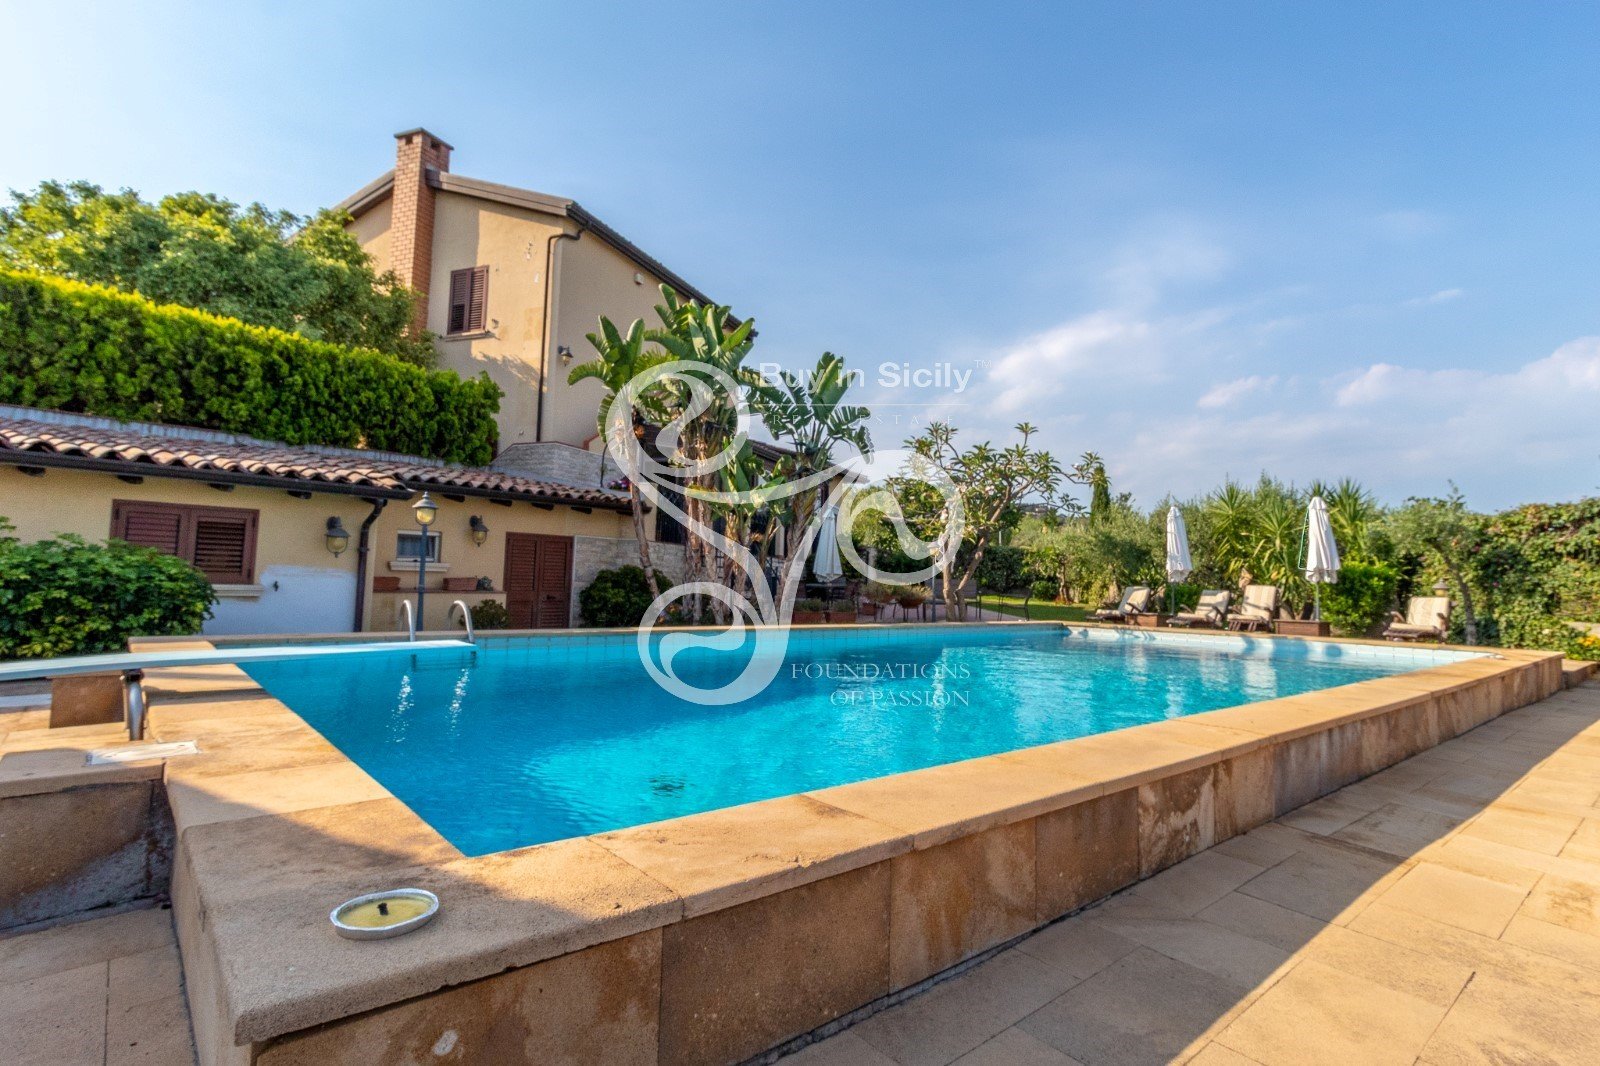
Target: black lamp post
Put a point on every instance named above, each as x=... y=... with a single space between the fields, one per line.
x=425 y=511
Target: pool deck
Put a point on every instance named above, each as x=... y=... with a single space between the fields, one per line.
x=709 y=938
x=1446 y=910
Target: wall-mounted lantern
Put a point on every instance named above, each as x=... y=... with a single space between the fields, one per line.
x=480 y=532
x=565 y=352
x=337 y=537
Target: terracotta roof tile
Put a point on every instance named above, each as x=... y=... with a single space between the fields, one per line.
x=60 y=443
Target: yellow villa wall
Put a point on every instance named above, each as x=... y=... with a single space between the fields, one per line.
x=300 y=586
x=592 y=278
x=459 y=557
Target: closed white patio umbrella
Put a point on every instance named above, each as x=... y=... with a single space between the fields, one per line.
x=826 y=565
x=1179 y=564
x=1322 y=553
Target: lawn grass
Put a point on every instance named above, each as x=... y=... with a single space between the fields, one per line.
x=1038 y=610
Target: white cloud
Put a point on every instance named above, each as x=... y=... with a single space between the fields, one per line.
x=1230 y=392
x=1443 y=296
x=1105 y=344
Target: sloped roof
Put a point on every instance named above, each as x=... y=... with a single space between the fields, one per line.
x=31 y=437
x=372 y=193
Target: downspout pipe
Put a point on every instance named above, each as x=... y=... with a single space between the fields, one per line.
x=549 y=313
x=363 y=550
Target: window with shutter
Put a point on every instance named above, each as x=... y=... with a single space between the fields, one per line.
x=220 y=542
x=469 y=300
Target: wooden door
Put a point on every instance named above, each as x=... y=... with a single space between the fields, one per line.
x=538 y=580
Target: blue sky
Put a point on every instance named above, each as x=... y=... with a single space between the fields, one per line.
x=1200 y=239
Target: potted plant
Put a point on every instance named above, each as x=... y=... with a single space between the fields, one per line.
x=910 y=597
x=840 y=611
x=808 y=612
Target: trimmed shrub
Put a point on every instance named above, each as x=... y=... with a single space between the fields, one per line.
x=490 y=614
x=70 y=597
x=1046 y=589
x=84 y=348
x=615 y=598
x=1361 y=598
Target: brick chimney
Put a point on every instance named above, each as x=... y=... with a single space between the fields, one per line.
x=411 y=238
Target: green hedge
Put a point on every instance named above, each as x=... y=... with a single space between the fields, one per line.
x=69 y=597
x=74 y=347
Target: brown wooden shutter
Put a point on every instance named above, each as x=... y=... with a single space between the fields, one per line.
x=460 y=297
x=149 y=526
x=478 y=302
x=220 y=542
x=224 y=548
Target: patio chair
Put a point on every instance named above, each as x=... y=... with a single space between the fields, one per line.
x=1135 y=601
x=1258 y=608
x=1212 y=610
x=1426 y=618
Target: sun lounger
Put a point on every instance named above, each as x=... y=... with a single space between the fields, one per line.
x=1258 y=609
x=1426 y=618
x=1212 y=610
x=1135 y=601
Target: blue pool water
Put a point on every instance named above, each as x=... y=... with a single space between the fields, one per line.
x=536 y=739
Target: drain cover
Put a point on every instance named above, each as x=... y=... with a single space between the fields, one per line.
x=142 y=752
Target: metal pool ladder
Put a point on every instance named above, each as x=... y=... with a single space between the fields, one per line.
x=466 y=616
x=411 y=620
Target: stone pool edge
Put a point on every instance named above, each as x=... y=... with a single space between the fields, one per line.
x=717 y=936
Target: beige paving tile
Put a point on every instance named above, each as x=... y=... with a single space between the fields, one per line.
x=221 y=798
x=1584 y=844
x=1467 y=900
x=1570 y=904
x=1143 y=1008
x=1014 y=1047
x=153 y=1033
x=1442 y=940
x=57 y=1019
x=723 y=858
x=1325 y=880
x=1233 y=956
x=1080 y=947
x=1317 y=1014
x=958 y=1015
x=24 y=956
x=1580 y=949
x=1215 y=1054
x=1547 y=833
x=145 y=977
x=1283 y=928
x=1194 y=885
x=1499 y=1021
x=1415 y=973
x=1325 y=816
x=1398 y=830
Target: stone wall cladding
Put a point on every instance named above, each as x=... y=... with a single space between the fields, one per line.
x=590 y=555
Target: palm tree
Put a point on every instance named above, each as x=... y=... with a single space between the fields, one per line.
x=812 y=413
x=621 y=359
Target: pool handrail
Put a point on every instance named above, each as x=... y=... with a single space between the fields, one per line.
x=411 y=620
x=466 y=616
x=132 y=665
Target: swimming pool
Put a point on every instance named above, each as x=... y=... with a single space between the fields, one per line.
x=534 y=739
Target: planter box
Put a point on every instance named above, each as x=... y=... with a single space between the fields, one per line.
x=461 y=584
x=808 y=618
x=841 y=617
x=1150 y=621
x=1300 y=627
x=384 y=583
